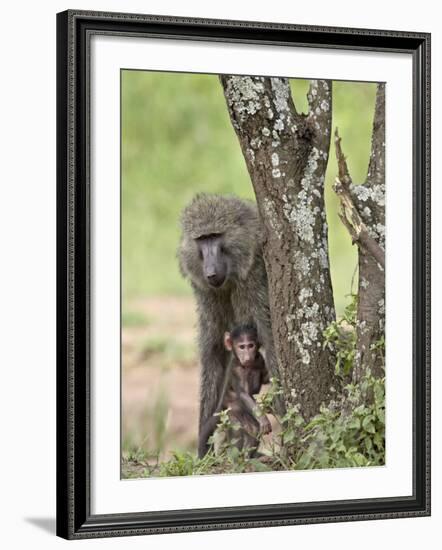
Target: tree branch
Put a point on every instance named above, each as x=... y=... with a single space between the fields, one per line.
x=349 y=213
x=363 y=214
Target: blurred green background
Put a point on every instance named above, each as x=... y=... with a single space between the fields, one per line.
x=177 y=140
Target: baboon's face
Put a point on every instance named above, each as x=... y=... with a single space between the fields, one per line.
x=214 y=259
x=245 y=349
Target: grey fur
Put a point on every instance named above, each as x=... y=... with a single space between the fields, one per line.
x=243 y=298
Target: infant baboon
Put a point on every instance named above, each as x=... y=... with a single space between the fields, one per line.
x=221 y=253
x=244 y=377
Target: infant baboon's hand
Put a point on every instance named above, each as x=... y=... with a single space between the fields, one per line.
x=265 y=425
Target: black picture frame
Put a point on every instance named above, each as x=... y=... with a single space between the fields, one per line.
x=74 y=518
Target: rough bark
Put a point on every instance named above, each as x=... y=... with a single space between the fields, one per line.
x=363 y=213
x=286 y=155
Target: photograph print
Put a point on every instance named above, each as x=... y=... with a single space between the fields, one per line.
x=253 y=274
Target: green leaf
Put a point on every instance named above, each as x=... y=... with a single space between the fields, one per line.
x=299 y=421
x=289 y=436
x=354 y=424
x=260 y=466
x=370 y=428
x=368 y=444
x=378 y=440
x=233 y=453
x=381 y=416
x=367 y=423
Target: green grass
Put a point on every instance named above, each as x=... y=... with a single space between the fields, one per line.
x=352 y=436
x=178 y=140
x=149 y=434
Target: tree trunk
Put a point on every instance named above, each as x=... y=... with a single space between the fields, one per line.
x=286 y=155
x=363 y=213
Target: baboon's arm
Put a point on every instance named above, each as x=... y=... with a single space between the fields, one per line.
x=213 y=356
x=248 y=402
x=212 y=370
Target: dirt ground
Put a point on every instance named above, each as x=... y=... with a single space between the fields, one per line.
x=160 y=376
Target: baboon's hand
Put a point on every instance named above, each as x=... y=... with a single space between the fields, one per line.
x=265 y=425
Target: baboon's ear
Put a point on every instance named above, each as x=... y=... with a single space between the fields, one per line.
x=228 y=344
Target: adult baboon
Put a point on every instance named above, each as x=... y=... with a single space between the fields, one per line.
x=221 y=253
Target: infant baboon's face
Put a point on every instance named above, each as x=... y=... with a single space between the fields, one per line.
x=245 y=350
